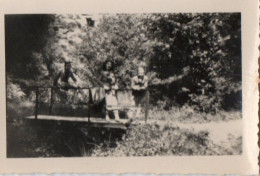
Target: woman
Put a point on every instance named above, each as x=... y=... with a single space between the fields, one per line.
x=109 y=84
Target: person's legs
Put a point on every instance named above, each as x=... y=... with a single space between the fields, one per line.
x=116 y=114
x=139 y=101
x=114 y=104
x=107 y=115
x=111 y=103
x=131 y=111
x=138 y=112
x=107 y=98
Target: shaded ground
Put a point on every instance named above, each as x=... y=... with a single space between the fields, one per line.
x=52 y=139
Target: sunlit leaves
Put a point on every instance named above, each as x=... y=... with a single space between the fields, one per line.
x=191 y=50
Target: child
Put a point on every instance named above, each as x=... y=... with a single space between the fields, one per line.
x=139 y=85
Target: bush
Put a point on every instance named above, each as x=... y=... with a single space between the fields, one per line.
x=187 y=114
x=154 y=139
x=14 y=92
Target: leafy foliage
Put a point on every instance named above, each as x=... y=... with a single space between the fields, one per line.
x=158 y=140
x=208 y=45
x=192 y=59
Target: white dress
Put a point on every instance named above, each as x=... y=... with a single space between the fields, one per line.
x=110 y=93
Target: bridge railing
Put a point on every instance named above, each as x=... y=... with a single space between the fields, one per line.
x=88 y=103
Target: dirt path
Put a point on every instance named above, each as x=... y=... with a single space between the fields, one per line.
x=226 y=134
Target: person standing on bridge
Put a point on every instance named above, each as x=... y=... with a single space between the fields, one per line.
x=139 y=84
x=110 y=85
x=63 y=83
x=62 y=79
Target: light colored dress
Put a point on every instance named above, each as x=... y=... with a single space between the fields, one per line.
x=109 y=84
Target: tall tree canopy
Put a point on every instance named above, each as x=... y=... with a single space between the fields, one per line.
x=190 y=59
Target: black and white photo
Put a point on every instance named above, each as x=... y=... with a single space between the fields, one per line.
x=149 y=84
x=129 y=87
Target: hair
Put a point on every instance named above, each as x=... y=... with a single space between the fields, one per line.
x=140 y=67
x=67 y=63
x=105 y=63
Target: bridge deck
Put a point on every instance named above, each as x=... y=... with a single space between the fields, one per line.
x=93 y=122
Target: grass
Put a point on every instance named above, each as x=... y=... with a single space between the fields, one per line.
x=187 y=115
x=166 y=138
x=150 y=140
x=156 y=140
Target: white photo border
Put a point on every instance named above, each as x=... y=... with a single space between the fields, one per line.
x=245 y=164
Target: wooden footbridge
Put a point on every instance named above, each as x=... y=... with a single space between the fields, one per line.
x=90 y=122
x=86 y=121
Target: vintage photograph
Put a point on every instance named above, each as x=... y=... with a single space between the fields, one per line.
x=123 y=85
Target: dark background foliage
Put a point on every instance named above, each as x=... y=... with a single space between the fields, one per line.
x=191 y=59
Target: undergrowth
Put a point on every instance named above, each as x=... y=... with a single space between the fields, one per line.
x=156 y=140
x=152 y=139
x=187 y=114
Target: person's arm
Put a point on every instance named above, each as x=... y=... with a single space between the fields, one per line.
x=104 y=77
x=134 y=86
x=73 y=77
x=105 y=80
x=55 y=82
x=74 y=84
x=145 y=85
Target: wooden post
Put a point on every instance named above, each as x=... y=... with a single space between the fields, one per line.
x=89 y=98
x=146 y=104
x=36 y=102
x=51 y=102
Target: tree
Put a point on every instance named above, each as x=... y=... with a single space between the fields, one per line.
x=209 y=44
x=189 y=58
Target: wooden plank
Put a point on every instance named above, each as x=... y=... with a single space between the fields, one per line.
x=59 y=118
x=92 y=122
